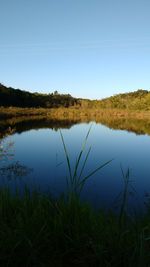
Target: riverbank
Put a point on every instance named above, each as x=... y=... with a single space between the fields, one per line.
x=9 y=112
x=36 y=230
x=20 y=119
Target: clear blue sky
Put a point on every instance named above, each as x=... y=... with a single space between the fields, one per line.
x=88 y=48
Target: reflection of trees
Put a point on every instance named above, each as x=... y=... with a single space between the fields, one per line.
x=6 y=151
x=23 y=124
x=137 y=122
x=12 y=170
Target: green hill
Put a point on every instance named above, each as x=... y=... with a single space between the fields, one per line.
x=138 y=100
x=18 y=98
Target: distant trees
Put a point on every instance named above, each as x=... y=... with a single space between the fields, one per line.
x=55 y=92
x=139 y=99
x=15 y=97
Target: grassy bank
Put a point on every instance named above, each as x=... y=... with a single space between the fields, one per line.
x=70 y=113
x=20 y=119
x=38 y=231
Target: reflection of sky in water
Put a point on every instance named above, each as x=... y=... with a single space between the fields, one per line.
x=42 y=150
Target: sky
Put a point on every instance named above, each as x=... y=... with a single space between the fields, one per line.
x=88 y=48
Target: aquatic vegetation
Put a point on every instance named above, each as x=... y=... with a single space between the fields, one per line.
x=14 y=170
x=77 y=179
x=9 y=168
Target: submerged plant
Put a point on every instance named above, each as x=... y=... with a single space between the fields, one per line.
x=10 y=170
x=77 y=179
x=14 y=170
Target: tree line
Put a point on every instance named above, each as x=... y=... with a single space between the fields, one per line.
x=19 y=98
x=138 y=100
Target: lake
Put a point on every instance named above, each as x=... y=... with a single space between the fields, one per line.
x=36 y=158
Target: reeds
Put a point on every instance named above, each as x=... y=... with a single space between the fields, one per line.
x=77 y=179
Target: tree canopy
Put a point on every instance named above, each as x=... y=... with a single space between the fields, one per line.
x=19 y=98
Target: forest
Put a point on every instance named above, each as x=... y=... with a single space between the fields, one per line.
x=19 y=98
x=137 y=100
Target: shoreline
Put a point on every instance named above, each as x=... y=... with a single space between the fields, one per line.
x=9 y=112
x=16 y=118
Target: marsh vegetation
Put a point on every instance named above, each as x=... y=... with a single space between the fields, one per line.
x=37 y=230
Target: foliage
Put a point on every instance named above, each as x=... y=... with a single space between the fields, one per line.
x=138 y=100
x=15 y=97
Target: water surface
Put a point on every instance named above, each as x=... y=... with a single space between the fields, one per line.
x=37 y=148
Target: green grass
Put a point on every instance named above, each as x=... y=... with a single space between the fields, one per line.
x=77 y=179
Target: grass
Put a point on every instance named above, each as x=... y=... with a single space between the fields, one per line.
x=36 y=230
x=39 y=231
x=72 y=113
x=77 y=179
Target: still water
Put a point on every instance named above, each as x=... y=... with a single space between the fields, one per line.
x=40 y=154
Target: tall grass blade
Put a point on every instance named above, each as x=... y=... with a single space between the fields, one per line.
x=81 y=152
x=67 y=155
x=81 y=184
x=126 y=178
x=84 y=163
x=75 y=182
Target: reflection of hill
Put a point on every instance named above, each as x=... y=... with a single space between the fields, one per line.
x=138 y=126
x=23 y=124
x=136 y=123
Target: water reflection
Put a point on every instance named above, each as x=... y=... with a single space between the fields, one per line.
x=139 y=125
x=23 y=124
x=14 y=170
x=38 y=154
x=8 y=168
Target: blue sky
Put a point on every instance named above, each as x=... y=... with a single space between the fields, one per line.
x=88 y=48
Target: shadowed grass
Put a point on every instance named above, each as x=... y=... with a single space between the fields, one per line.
x=36 y=230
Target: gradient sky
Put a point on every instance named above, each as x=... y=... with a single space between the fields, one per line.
x=88 y=48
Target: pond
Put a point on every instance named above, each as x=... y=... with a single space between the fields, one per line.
x=36 y=158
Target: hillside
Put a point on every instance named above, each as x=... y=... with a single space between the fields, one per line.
x=18 y=98
x=138 y=100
